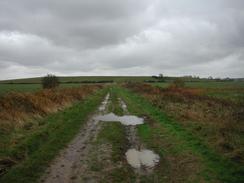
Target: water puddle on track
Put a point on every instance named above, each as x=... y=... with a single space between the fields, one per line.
x=142 y=159
x=125 y=120
x=68 y=166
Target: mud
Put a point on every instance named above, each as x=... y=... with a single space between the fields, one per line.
x=69 y=164
x=81 y=160
x=143 y=160
x=102 y=107
x=123 y=105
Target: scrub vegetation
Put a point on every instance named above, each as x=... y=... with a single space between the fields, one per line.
x=217 y=121
x=50 y=81
x=113 y=134
x=195 y=128
x=34 y=127
x=16 y=109
x=208 y=126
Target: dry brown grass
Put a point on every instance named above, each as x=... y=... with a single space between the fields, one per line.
x=218 y=121
x=16 y=108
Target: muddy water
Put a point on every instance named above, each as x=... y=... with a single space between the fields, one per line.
x=144 y=158
x=111 y=117
x=125 y=120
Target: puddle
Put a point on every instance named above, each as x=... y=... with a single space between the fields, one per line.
x=125 y=120
x=144 y=158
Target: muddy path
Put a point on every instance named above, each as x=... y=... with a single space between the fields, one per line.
x=66 y=167
x=84 y=160
x=141 y=159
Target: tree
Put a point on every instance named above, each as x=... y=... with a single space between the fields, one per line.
x=161 y=76
x=50 y=81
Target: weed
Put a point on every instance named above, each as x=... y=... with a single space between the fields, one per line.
x=216 y=121
x=16 y=108
x=38 y=147
x=166 y=134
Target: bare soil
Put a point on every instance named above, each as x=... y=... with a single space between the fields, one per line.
x=71 y=161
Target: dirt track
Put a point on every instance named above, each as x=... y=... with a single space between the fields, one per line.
x=78 y=161
x=70 y=162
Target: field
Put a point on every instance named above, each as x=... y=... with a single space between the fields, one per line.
x=5 y=88
x=230 y=90
x=85 y=78
x=34 y=84
x=85 y=133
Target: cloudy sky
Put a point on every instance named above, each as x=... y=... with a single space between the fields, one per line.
x=121 y=37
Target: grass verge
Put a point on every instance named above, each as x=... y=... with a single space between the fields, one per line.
x=113 y=133
x=40 y=147
x=214 y=168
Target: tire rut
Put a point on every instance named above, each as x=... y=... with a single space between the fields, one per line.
x=66 y=167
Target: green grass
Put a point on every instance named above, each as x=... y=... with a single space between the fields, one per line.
x=235 y=95
x=5 y=88
x=228 y=90
x=114 y=105
x=232 y=90
x=39 y=147
x=207 y=84
x=214 y=166
x=114 y=134
x=215 y=84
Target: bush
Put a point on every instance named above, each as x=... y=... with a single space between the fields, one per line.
x=178 y=83
x=50 y=81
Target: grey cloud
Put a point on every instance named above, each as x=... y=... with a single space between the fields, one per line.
x=82 y=23
x=121 y=37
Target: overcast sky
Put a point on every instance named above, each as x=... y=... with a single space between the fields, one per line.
x=121 y=37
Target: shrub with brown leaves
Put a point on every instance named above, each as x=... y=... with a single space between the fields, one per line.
x=16 y=107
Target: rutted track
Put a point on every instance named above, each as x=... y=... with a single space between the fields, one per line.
x=142 y=159
x=74 y=163
x=68 y=164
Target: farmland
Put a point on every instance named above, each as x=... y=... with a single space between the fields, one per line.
x=34 y=84
x=84 y=79
x=195 y=132
x=225 y=90
x=5 y=88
